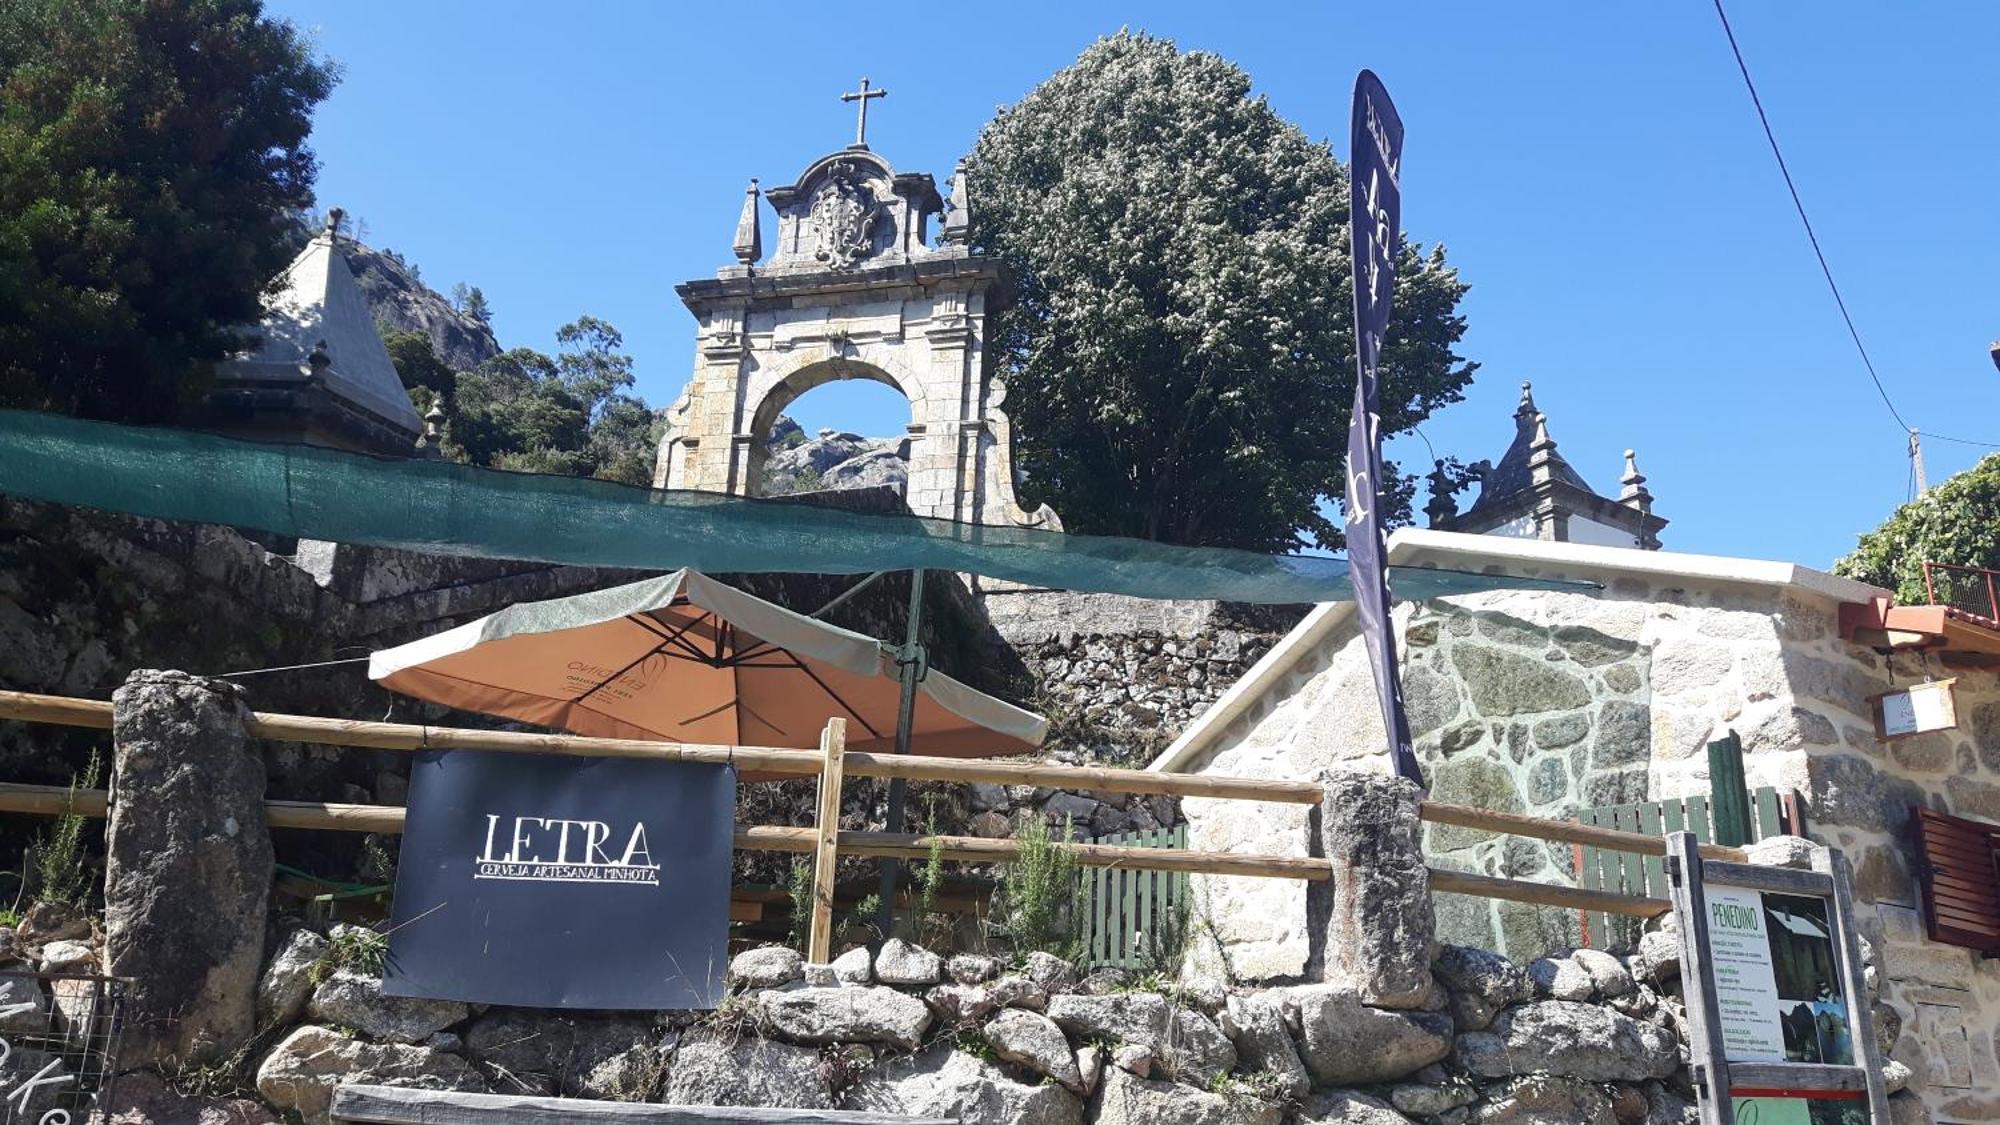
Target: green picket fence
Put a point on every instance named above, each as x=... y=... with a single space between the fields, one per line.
x=1601 y=869
x=1130 y=910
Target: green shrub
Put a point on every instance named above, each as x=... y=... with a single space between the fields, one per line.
x=799 y=885
x=1039 y=892
x=63 y=874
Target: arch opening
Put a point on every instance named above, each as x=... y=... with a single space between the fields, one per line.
x=837 y=424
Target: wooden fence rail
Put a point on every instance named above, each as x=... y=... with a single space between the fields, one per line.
x=832 y=763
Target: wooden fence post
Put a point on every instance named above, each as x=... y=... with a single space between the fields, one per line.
x=833 y=746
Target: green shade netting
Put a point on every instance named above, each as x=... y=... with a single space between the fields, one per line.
x=428 y=505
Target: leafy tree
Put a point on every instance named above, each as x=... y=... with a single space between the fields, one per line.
x=1957 y=522
x=152 y=153
x=523 y=410
x=470 y=301
x=1180 y=351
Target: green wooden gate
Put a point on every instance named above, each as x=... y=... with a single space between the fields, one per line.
x=1603 y=869
x=1131 y=913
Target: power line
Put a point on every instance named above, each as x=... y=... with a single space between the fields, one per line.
x=1812 y=237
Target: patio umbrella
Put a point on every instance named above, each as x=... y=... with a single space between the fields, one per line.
x=685 y=658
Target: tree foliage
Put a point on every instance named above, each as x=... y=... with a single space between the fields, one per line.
x=524 y=410
x=152 y=153
x=1957 y=522
x=1180 y=352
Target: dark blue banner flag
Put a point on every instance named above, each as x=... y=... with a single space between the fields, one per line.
x=1375 y=210
x=556 y=882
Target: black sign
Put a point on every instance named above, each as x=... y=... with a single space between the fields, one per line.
x=1375 y=208
x=556 y=882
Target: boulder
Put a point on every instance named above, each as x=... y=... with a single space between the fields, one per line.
x=900 y=962
x=1659 y=955
x=1034 y=1041
x=1127 y=1099
x=1344 y=1107
x=767 y=967
x=301 y=1072
x=352 y=998
x=1257 y=1027
x=71 y=955
x=1014 y=991
x=1431 y=1099
x=529 y=1052
x=187 y=870
x=843 y=1015
x=1348 y=1043
x=1608 y=975
x=1134 y=1058
x=1480 y=982
x=972 y=968
x=1561 y=978
x=16 y=991
x=1090 y=1065
x=1380 y=931
x=950 y=1084
x=961 y=1003
x=287 y=980
x=1905 y=1108
x=1051 y=972
x=1186 y=1043
x=853 y=966
x=1569 y=1040
x=718 y=1069
x=142 y=1099
x=1543 y=1100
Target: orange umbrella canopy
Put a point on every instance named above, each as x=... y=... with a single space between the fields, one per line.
x=685 y=658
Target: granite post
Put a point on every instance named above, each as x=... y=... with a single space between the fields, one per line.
x=187 y=868
x=1381 y=931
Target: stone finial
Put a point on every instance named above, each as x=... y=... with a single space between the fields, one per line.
x=1542 y=459
x=958 y=214
x=1526 y=412
x=1636 y=496
x=334 y=217
x=749 y=244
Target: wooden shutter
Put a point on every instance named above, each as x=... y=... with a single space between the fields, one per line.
x=1955 y=865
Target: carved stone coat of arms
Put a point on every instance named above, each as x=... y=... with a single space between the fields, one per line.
x=843 y=216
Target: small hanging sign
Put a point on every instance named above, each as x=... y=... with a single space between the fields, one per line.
x=1918 y=709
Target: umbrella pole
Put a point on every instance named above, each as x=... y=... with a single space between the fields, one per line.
x=909 y=665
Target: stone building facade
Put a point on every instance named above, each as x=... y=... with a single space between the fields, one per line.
x=1551 y=702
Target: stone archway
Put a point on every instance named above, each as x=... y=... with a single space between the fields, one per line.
x=887 y=307
x=778 y=399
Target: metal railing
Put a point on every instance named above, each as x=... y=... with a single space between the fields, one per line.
x=1967 y=589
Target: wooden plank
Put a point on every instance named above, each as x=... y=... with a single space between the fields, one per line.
x=1729 y=794
x=1774 y=880
x=740 y=911
x=1853 y=980
x=1790 y=1079
x=1698 y=823
x=395 y=1105
x=833 y=756
x=1770 y=819
x=1652 y=868
x=1545 y=894
x=1704 y=1020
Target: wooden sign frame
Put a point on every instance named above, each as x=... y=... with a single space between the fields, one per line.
x=1717 y=1080
x=1942 y=688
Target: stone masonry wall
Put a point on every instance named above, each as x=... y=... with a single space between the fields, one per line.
x=1550 y=702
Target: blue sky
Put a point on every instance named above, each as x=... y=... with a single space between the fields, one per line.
x=1595 y=170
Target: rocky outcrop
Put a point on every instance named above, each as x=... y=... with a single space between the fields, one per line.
x=832 y=460
x=400 y=302
x=189 y=867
